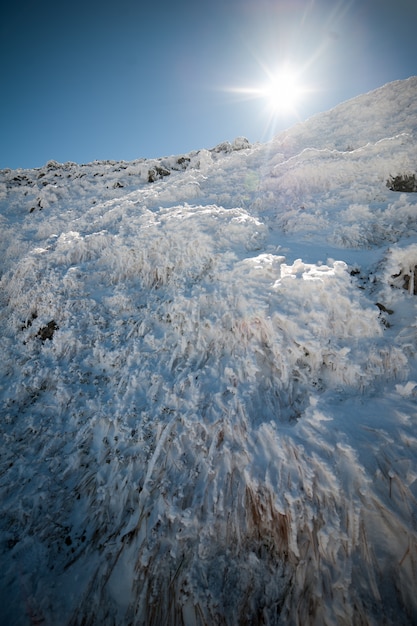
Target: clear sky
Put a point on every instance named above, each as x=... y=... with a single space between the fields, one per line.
x=122 y=80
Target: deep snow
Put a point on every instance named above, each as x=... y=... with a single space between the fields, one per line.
x=208 y=382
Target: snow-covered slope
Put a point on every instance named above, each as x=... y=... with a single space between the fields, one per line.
x=208 y=381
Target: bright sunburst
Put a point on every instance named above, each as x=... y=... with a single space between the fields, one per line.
x=283 y=92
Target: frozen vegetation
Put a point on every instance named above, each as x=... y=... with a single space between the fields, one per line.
x=208 y=381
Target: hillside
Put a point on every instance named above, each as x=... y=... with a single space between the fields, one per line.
x=208 y=381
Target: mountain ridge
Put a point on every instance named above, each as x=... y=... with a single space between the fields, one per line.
x=208 y=384
x=391 y=106
x=397 y=96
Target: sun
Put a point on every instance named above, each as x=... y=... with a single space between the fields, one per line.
x=283 y=92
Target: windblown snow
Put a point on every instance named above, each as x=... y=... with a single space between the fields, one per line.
x=208 y=381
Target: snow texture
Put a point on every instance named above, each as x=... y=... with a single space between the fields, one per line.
x=208 y=381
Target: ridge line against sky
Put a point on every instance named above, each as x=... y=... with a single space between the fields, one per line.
x=94 y=80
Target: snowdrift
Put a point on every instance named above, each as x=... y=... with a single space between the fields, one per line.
x=208 y=381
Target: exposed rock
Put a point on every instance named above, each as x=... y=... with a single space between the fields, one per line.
x=47 y=332
x=410 y=281
x=183 y=162
x=156 y=173
x=403 y=182
x=407 y=279
x=240 y=143
x=384 y=309
x=30 y=319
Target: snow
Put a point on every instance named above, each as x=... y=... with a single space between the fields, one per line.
x=208 y=382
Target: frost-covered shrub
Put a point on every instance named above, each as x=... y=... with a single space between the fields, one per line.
x=406 y=278
x=403 y=182
x=401 y=268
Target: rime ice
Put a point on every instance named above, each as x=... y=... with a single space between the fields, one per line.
x=208 y=381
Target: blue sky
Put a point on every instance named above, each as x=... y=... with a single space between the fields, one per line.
x=103 y=80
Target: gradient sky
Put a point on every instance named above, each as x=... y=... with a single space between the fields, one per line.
x=122 y=80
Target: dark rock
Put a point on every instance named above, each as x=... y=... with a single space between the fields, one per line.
x=29 y=321
x=403 y=182
x=240 y=143
x=47 y=332
x=407 y=279
x=384 y=309
x=183 y=162
x=156 y=173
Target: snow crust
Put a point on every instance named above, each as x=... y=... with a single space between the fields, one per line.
x=208 y=381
